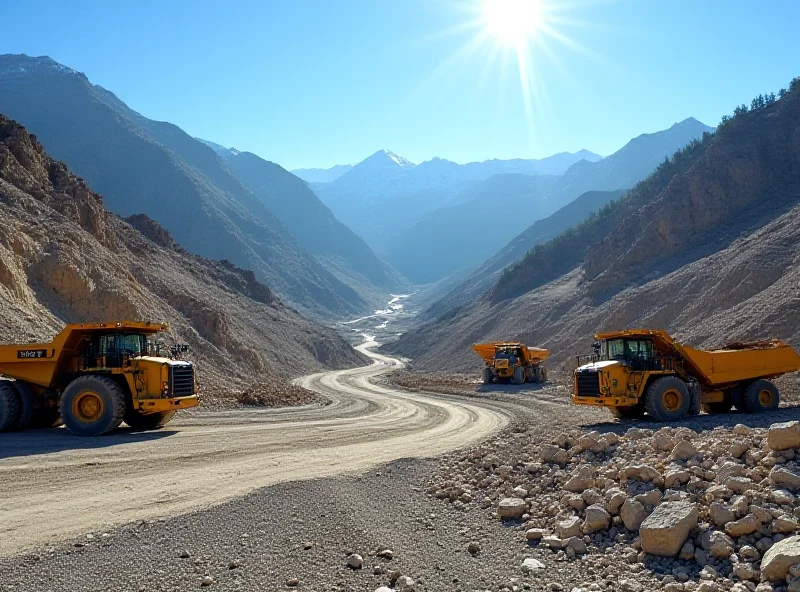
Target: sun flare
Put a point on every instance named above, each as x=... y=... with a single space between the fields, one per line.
x=513 y=22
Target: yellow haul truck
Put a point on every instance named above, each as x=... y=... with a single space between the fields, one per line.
x=640 y=370
x=512 y=362
x=93 y=376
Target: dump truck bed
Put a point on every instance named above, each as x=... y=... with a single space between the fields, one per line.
x=534 y=355
x=39 y=363
x=724 y=366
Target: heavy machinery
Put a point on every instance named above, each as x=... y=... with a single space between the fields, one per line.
x=641 y=370
x=512 y=362
x=94 y=376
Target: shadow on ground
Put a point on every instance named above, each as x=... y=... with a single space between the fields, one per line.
x=47 y=441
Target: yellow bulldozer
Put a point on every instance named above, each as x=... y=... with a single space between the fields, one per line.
x=512 y=362
x=642 y=370
x=94 y=376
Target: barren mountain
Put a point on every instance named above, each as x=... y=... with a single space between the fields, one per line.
x=490 y=215
x=150 y=167
x=486 y=276
x=707 y=247
x=65 y=258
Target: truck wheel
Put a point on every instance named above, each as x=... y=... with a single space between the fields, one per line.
x=488 y=376
x=519 y=375
x=667 y=399
x=92 y=405
x=9 y=406
x=761 y=395
x=27 y=401
x=629 y=412
x=151 y=421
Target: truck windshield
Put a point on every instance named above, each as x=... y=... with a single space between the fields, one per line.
x=637 y=351
x=133 y=344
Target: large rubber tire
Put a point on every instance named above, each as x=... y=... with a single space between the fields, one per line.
x=97 y=393
x=667 y=399
x=151 y=421
x=632 y=412
x=487 y=376
x=9 y=406
x=519 y=375
x=761 y=395
x=27 y=402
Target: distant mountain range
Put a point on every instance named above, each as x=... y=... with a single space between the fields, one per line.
x=488 y=214
x=385 y=194
x=322 y=175
x=145 y=166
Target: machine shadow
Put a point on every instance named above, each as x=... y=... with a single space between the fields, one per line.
x=50 y=440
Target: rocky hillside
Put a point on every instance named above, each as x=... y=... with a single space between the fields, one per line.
x=707 y=247
x=65 y=258
x=487 y=275
x=150 y=167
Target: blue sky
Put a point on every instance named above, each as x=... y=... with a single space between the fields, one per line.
x=317 y=83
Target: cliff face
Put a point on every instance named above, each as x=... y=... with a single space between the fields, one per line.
x=64 y=258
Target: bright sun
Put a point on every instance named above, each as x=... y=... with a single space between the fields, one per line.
x=513 y=22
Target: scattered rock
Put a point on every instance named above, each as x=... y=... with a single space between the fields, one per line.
x=568 y=528
x=206 y=581
x=531 y=565
x=511 y=508
x=667 y=528
x=747 y=525
x=355 y=561
x=784 y=436
x=717 y=543
x=632 y=514
x=721 y=514
x=597 y=518
x=474 y=548
x=781 y=556
x=684 y=450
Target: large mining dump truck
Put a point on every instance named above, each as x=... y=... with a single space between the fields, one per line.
x=640 y=370
x=512 y=362
x=94 y=376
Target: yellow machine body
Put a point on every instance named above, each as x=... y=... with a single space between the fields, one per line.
x=501 y=360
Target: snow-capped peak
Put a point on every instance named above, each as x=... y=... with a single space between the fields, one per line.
x=403 y=162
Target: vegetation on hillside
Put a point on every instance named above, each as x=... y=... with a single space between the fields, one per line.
x=548 y=261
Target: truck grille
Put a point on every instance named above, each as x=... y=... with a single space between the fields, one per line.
x=182 y=380
x=588 y=384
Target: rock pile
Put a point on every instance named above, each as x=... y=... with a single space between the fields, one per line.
x=277 y=394
x=702 y=511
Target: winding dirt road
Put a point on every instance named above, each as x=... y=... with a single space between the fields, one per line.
x=54 y=485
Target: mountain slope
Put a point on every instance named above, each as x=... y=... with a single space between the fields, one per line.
x=507 y=204
x=383 y=195
x=65 y=258
x=155 y=168
x=308 y=219
x=706 y=247
x=487 y=275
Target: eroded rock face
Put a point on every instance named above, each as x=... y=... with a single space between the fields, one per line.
x=665 y=531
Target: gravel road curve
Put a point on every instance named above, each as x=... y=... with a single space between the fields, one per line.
x=55 y=486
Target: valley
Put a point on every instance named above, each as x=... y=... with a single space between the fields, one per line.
x=269 y=377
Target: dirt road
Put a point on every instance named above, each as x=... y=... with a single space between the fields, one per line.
x=54 y=485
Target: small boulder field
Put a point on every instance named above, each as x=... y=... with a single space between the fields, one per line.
x=672 y=508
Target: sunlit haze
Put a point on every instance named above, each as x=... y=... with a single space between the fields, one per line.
x=309 y=83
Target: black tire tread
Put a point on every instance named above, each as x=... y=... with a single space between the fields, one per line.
x=117 y=402
x=9 y=406
x=750 y=396
x=27 y=404
x=652 y=399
